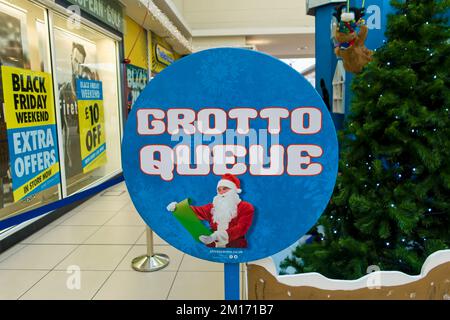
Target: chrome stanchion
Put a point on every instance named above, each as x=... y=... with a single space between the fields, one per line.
x=151 y=261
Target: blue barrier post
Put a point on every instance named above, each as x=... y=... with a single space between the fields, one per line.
x=232 y=274
x=16 y=220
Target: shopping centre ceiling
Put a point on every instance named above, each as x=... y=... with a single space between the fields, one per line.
x=281 y=28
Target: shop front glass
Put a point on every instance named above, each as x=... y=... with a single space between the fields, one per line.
x=90 y=129
x=25 y=182
x=60 y=124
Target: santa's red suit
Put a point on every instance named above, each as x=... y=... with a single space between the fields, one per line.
x=237 y=227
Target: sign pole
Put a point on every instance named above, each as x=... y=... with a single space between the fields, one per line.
x=151 y=261
x=232 y=287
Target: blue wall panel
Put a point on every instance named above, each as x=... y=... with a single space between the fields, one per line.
x=376 y=17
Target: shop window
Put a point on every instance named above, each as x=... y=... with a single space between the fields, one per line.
x=29 y=169
x=339 y=89
x=90 y=128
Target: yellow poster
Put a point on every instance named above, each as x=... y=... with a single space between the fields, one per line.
x=91 y=118
x=31 y=130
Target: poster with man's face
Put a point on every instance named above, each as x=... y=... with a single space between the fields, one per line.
x=76 y=58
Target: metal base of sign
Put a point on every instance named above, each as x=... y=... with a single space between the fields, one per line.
x=150 y=264
x=151 y=261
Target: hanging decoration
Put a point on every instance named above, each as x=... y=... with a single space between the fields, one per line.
x=350 y=33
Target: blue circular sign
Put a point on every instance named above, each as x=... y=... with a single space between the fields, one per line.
x=230 y=155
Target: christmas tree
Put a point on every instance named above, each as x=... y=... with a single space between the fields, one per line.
x=391 y=205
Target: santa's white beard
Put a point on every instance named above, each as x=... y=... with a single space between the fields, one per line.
x=225 y=209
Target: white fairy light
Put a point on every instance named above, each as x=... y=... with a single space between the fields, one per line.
x=172 y=30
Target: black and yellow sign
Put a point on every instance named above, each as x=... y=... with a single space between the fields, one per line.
x=32 y=139
x=161 y=54
x=91 y=119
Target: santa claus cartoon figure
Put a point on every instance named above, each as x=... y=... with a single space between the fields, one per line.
x=229 y=217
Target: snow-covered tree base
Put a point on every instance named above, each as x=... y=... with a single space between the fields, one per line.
x=433 y=283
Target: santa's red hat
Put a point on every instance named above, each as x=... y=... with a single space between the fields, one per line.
x=230 y=181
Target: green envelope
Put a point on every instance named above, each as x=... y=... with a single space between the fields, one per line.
x=187 y=217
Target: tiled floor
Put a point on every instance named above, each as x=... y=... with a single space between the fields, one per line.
x=87 y=254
